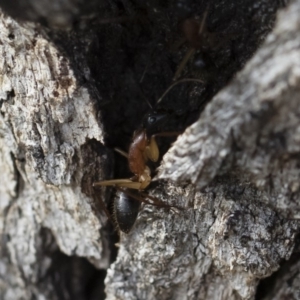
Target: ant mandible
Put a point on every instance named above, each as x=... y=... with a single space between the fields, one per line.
x=142 y=149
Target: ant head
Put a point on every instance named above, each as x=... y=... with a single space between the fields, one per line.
x=153 y=122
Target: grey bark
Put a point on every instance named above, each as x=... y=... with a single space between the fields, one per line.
x=235 y=173
x=43 y=114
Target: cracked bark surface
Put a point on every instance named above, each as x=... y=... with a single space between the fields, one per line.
x=42 y=108
x=235 y=170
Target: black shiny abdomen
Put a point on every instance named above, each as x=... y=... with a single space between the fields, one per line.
x=126 y=210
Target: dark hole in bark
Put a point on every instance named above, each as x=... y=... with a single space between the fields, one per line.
x=72 y=277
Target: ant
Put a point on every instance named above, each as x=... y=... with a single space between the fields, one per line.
x=142 y=149
x=197 y=37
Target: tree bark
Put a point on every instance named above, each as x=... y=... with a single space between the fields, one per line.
x=71 y=89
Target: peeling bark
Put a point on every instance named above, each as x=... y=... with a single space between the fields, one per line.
x=69 y=96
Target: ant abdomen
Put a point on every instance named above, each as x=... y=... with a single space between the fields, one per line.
x=126 y=210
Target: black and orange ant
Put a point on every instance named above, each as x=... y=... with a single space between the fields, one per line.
x=142 y=149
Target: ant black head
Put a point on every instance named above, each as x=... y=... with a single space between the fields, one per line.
x=153 y=122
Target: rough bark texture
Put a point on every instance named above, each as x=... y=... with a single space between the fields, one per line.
x=43 y=114
x=68 y=96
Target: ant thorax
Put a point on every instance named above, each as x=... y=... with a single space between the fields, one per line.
x=136 y=158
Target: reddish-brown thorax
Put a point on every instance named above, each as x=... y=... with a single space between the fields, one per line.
x=136 y=157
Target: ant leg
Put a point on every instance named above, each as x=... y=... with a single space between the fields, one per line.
x=202 y=25
x=183 y=63
x=120 y=151
x=155 y=200
x=103 y=207
x=126 y=183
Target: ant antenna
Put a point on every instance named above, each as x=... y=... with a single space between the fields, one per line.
x=175 y=83
x=141 y=92
x=147 y=101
